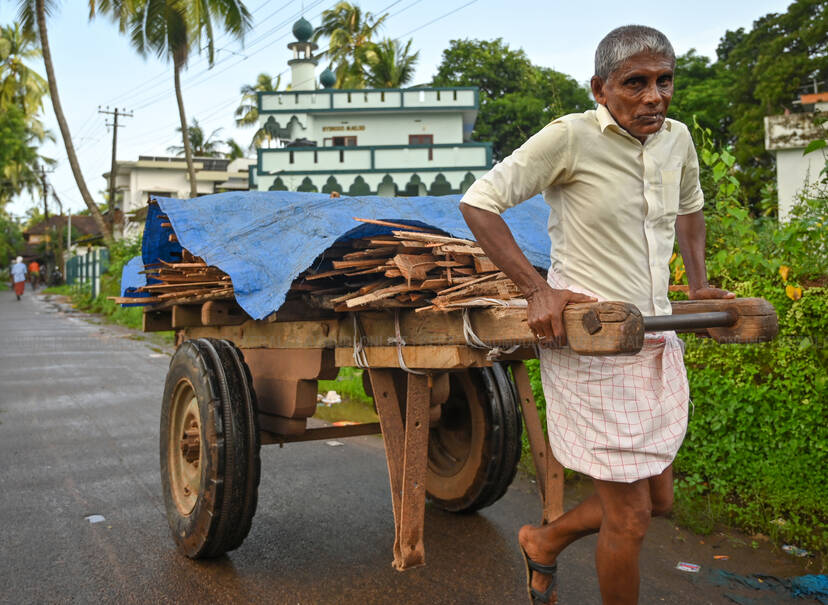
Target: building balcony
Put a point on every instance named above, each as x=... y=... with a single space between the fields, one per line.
x=369 y=99
x=379 y=158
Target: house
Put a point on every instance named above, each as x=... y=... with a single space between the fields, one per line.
x=787 y=136
x=167 y=177
x=412 y=141
x=85 y=233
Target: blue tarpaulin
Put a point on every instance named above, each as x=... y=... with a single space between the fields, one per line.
x=264 y=240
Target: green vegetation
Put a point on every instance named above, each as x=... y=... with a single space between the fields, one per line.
x=517 y=98
x=356 y=406
x=757 y=73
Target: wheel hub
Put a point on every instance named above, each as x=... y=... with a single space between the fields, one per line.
x=184 y=448
x=191 y=443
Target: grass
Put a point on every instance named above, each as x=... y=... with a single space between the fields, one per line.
x=356 y=406
x=63 y=290
x=4 y=286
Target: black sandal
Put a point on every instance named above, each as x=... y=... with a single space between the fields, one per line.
x=538 y=597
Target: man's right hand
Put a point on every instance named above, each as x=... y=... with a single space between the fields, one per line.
x=545 y=313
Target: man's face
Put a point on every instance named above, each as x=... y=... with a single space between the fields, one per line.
x=638 y=93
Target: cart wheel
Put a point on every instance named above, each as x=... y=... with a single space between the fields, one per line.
x=209 y=448
x=474 y=449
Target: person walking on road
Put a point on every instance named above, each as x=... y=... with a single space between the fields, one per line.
x=622 y=182
x=34 y=274
x=18 y=272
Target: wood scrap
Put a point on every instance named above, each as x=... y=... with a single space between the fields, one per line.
x=411 y=267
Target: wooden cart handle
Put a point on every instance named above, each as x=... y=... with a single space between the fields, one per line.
x=615 y=328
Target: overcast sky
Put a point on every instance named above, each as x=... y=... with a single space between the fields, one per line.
x=95 y=65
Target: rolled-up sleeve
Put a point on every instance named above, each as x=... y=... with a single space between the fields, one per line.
x=691 y=197
x=536 y=165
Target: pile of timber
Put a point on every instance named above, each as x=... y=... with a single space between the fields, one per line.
x=188 y=281
x=411 y=267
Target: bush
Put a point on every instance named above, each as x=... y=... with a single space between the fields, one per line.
x=756 y=451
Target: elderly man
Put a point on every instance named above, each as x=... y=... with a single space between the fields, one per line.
x=621 y=182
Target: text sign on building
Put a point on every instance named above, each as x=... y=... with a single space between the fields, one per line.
x=342 y=128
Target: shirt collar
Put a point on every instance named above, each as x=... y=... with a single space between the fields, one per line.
x=605 y=120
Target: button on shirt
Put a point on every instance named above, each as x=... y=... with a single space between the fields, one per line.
x=613 y=201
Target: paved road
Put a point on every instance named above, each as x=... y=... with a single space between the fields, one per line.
x=79 y=407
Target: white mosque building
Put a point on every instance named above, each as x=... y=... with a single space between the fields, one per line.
x=409 y=141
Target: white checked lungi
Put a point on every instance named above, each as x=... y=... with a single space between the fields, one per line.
x=616 y=418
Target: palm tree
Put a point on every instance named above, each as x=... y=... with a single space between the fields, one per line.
x=349 y=44
x=234 y=150
x=19 y=84
x=171 y=29
x=21 y=99
x=32 y=17
x=247 y=113
x=393 y=66
x=201 y=146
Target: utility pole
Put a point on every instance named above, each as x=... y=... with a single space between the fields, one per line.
x=114 y=124
x=44 y=186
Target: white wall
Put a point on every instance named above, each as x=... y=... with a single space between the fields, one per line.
x=445 y=157
x=356 y=159
x=391 y=128
x=794 y=172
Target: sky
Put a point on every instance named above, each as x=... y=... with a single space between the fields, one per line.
x=96 y=67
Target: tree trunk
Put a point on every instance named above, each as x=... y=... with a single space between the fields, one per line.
x=185 y=134
x=64 y=127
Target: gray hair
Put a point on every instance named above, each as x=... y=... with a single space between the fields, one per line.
x=624 y=42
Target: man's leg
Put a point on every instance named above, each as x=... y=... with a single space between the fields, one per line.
x=627 y=508
x=544 y=543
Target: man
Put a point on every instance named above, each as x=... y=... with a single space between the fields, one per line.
x=621 y=182
x=18 y=272
x=34 y=274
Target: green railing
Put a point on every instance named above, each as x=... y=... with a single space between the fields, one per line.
x=87 y=269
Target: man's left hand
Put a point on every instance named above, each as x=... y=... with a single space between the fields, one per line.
x=709 y=293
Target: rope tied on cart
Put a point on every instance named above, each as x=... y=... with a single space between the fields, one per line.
x=360 y=357
x=474 y=341
x=400 y=342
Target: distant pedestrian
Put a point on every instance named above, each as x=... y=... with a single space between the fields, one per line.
x=18 y=272
x=34 y=274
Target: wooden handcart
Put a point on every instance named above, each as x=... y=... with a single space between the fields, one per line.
x=450 y=390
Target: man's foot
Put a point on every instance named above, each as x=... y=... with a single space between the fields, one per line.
x=534 y=540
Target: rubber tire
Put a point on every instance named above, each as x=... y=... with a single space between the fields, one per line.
x=230 y=469
x=493 y=421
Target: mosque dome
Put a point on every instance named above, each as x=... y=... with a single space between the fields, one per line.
x=303 y=30
x=327 y=78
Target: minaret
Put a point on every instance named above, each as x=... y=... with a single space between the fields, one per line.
x=303 y=64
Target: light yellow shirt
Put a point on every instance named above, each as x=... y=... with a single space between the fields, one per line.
x=613 y=201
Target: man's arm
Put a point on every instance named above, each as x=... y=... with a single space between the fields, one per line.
x=690 y=232
x=545 y=305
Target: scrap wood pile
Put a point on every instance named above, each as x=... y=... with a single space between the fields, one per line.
x=412 y=267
